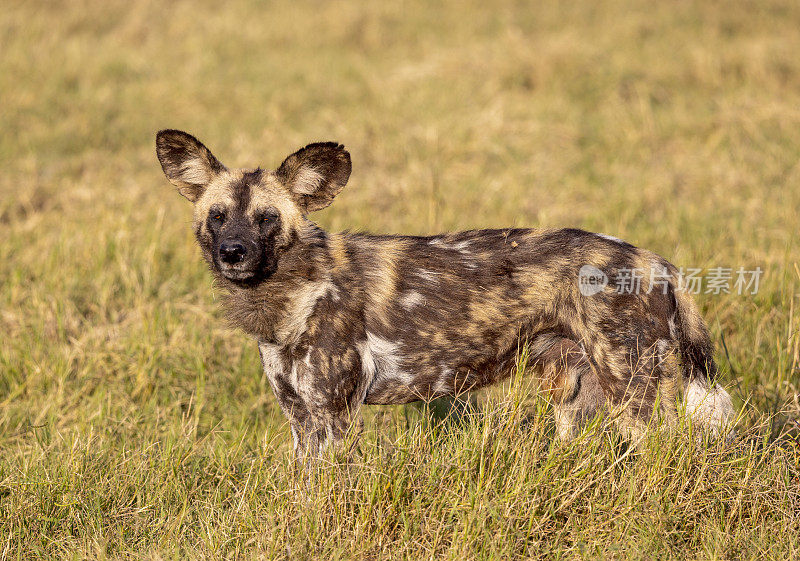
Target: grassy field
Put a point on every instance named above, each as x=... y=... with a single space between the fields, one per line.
x=135 y=424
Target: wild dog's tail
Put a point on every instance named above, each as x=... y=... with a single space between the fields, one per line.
x=707 y=403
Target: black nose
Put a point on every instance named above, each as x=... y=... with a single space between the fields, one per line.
x=231 y=252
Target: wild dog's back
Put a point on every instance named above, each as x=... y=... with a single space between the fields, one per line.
x=455 y=308
x=449 y=313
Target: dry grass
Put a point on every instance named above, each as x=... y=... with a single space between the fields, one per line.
x=134 y=424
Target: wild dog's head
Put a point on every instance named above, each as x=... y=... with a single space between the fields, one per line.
x=245 y=219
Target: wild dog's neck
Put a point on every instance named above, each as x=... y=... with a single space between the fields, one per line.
x=274 y=311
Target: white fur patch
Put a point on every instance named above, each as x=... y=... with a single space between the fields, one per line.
x=666 y=350
x=673 y=328
x=380 y=358
x=294 y=377
x=711 y=409
x=271 y=362
x=611 y=238
x=195 y=171
x=271 y=359
x=411 y=299
x=457 y=246
x=307 y=181
x=367 y=361
x=430 y=276
x=445 y=381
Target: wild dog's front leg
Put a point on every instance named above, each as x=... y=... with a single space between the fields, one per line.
x=332 y=383
x=277 y=366
x=566 y=374
x=639 y=380
x=325 y=433
x=320 y=390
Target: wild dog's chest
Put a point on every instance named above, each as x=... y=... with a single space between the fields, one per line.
x=278 y=315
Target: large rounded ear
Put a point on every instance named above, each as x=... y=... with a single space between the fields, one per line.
x=316 y=174
x=188 y=164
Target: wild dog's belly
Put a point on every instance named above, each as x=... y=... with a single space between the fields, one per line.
x=403 y=378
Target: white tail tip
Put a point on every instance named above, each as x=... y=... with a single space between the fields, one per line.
x=710 y=409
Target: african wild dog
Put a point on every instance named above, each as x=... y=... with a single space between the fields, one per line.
x=344 y=319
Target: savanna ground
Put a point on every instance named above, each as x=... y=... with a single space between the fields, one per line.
x=135 y=424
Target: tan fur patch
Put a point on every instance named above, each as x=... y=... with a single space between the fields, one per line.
x=381 y=280
x=337 y=250
x=300 y=305
x=270 y=193
x=218 y=192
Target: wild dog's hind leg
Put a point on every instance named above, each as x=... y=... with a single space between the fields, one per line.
x=567 y=375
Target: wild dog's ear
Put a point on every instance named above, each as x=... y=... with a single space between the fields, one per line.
x=316 y=174
x=188 y=164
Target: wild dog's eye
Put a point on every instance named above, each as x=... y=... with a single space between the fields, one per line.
x=218 y=217
x=267 y=218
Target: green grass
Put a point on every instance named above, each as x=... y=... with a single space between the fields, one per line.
x=135 y=424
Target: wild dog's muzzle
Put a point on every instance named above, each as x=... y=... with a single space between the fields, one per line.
x=238 y=258
x=232 y=252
